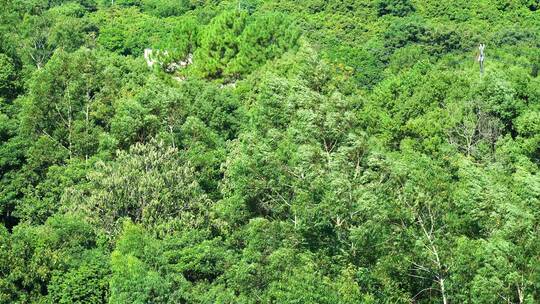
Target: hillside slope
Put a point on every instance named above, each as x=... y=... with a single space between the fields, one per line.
x=273 y=151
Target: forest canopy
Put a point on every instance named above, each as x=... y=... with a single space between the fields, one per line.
x=269 y=151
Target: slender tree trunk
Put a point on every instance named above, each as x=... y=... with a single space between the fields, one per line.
x=437 y=261
x=443 y=290
x=520 y=293
x=87 y=122
x=172 y=135
x=70 y=134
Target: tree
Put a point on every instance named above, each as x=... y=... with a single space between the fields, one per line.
x=69 y=101
x=265 y=38
x=87 y=283
x=39 y=255
x=219 y=44
x=34 y=45
x=398 y=8
x=8 y=76
x=133 y=280
x=151 y=185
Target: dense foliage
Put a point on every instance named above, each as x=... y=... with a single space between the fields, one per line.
x=273 y=151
